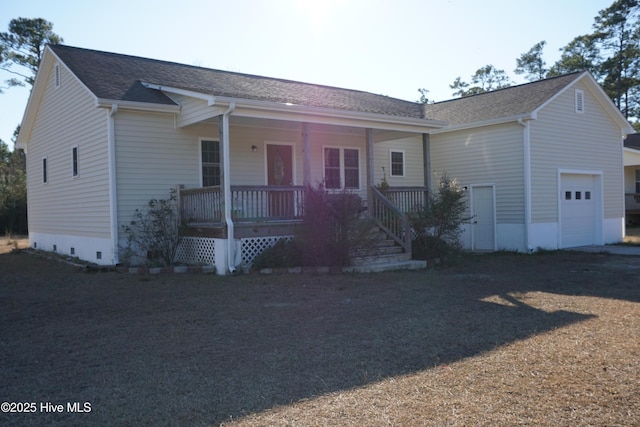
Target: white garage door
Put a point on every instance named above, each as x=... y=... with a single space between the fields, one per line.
x=578 y=206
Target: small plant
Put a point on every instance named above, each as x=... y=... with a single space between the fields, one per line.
x=153 y=234
x=384 y=184
x=438 y=224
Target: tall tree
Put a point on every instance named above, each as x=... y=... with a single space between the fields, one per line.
x=13 y=191
x=21 y=49
x=617 y=30
x=485 y=79
x=581 y=54
x=532 y=64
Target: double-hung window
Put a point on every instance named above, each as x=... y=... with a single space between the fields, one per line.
x=397 y=162
x=637 y=180
x=341 y=168
x=210 y=152
x=74 y=161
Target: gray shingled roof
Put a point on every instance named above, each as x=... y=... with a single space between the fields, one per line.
x=507 y=102
x=632 y=141
x=117 y=77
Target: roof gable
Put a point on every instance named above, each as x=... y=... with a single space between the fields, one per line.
x=117 y=77
x=513 y=101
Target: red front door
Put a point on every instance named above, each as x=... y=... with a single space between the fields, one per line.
x=280 y=173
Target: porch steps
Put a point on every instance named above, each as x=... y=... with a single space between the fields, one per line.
x=383 y=255
x=388 y=266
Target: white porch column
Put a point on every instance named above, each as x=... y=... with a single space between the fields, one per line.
x=306 y=148
x=370 y=169
x=225 y=177
x=426 y=152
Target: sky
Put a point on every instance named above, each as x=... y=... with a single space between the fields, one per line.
x=387 y=47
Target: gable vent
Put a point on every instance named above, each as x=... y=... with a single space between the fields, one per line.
x=579 y=101
x=57 y=71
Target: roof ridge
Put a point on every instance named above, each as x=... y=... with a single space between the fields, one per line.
x=234 y=73
x=509 y=87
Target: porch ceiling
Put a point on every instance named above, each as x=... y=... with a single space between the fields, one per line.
x=379 y=135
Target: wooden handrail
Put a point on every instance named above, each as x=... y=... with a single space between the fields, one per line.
x=391 y=219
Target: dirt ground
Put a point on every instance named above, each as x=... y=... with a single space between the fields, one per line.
x=500 y=339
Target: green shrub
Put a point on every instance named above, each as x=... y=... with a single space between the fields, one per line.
x=331 y=230
x=438 y=225
x=152 y=234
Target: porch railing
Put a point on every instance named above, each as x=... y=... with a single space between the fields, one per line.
x=261 y=203
x=407 y=199
x=255 y=203
x=632 y=202
x=200 y=205
x=249 y=203
x=391 y=219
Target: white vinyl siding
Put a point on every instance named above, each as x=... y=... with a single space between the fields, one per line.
x=147 y=148
x=68 y=117
x=413 y=161
x=192 y=110
x=561 y=139
x=487 y=155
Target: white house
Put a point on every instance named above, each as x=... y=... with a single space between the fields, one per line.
x=105 y=132
x=542 y=163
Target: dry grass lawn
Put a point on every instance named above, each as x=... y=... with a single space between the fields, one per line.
x=495 y=340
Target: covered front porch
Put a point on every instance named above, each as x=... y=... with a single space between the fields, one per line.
x=262 y=215
x=257 y=160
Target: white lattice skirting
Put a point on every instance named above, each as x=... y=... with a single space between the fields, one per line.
x=197 y=250
x=252 y=247
x=202 y=250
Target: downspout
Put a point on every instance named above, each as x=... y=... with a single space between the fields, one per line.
x=113 y=195
x=226 y=183
x=527 y=183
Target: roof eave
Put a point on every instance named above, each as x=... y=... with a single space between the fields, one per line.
x=491 y=122
x=138 y=106
x=303 y=113
x=35 y=96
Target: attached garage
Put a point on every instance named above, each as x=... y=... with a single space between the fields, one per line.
x=580 y=209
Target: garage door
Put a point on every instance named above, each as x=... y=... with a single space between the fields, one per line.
x=578 y=210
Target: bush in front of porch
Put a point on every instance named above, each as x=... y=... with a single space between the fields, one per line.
x=438 y=225
x=331 y=230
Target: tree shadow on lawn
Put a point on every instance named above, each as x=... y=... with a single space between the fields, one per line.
x=200 y=350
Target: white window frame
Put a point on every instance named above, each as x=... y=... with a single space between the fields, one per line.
x=75 y=162
x=200 y=142
x=579 y=101
x=342 y=167
x=404 y=163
